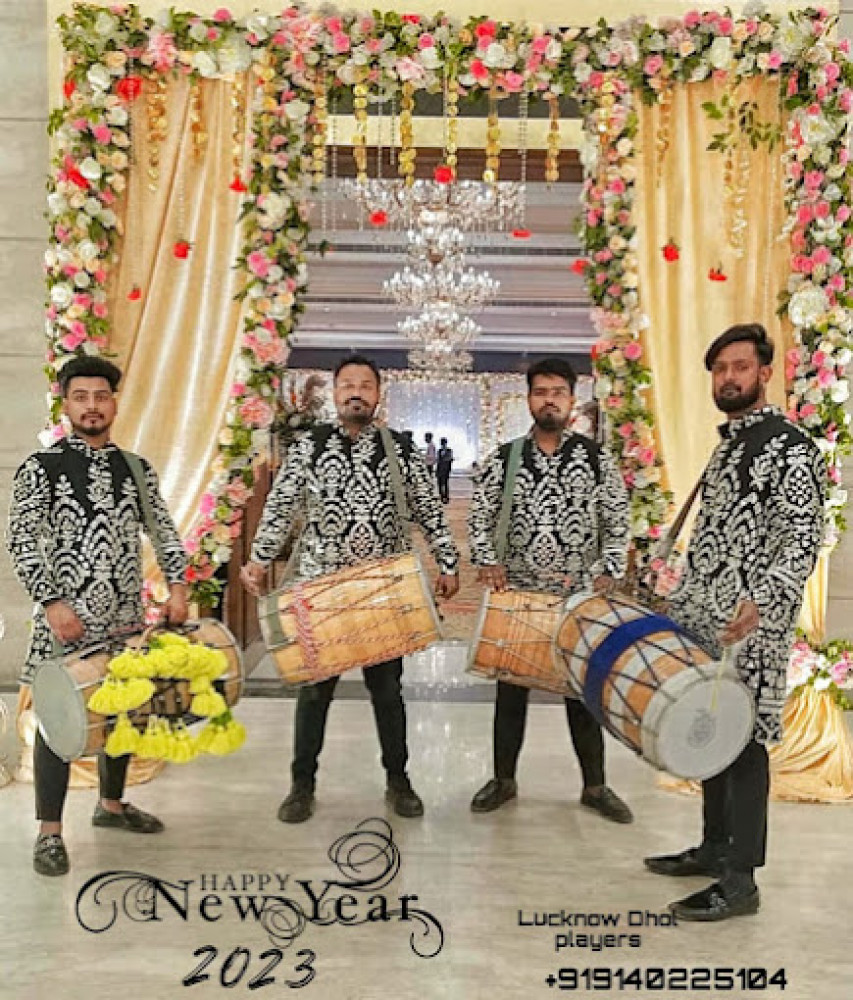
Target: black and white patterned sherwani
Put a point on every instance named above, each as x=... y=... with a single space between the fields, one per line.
x=74 y=534
x=569 y=516
x=343 y=487
x=757 y=536
x=569 y=519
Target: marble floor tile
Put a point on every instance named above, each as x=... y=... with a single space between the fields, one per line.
x=483 y=879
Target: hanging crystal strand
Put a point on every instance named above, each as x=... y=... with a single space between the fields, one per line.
x=493 y=140
x=157 y=125
x=133 y=195
x=451 y=142
x=408 y=153
x=197 y=128
x=392 y=142
x=662 y=135
x=333 y=145
x=379 y=109
x=359 y=140
x=523 y=111
x=318 y=142
x=552 y=157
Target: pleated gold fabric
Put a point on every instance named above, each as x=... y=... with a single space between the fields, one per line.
x=177 y=344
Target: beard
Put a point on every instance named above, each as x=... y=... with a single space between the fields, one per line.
x=92 y=427
x=549 y=420
x=361 y=414
x=737 y=402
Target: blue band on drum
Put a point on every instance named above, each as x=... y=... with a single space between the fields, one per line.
x=602 y=660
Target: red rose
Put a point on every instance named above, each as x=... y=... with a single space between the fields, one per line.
x=411 y=18
x=238 y=185
x=443 y=174
x=129 y=87
x=135 y=294
x=670 y=252
x=717 y=274
x=522 y=234
x=68 y=88
x=77 y=178
x=379 y=218
x=181 y=249
x=580 y=265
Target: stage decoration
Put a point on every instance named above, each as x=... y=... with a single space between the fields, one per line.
x=115 y=57
x=825 y=667
x=439 y=361
x=448 y=281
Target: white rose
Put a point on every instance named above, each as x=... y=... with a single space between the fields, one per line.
x=583 y=72
x=61 y=295
x=117 y=116
x=843 y=357
x=206 y=64
x=821 y=683
x=100 y=77
x=198 y=32
x=56 y=203
x=495 y=55
x=430 y=58
x=235 y=55
x=275 y=273
x=105 y=24
x=840 y=392
x=50 y=258
x=92 y=206
x=87 y=251
x=297 y=110
x=720 y=53
x=82 y=279
x=814 y=395
x=603 y=386
x=90 y=169
x=702 y=72
x=807 y=305
x=257 y=25
x=108 y=218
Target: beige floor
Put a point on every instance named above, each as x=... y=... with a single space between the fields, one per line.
x=473 y=874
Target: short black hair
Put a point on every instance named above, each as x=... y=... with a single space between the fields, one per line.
x=88 y=367
x=443 y=441
x=748 y=333
x=428 y=436
x=552 y=366
x=361 y=361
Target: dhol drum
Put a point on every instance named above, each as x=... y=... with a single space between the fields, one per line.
x=514 y=640
x=653 y=687
x=357 y=617
x=63 y=686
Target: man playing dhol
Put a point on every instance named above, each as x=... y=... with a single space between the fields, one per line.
x=568 y=531
x=74 y=539
x=339 y=476
x=754 y=546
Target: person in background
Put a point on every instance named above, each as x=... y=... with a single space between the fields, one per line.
x=443 y=466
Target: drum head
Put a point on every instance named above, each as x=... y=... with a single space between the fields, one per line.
x=59 y=708
x=701 y=733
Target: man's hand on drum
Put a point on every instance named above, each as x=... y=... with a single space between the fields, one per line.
x=252 y=577
x=604 y=584
x=746 y=620
x=493 y=577
x=176 y=609
x=446 y=586
x=63 y=621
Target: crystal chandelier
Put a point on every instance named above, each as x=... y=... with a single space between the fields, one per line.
x=460 y=287
x=466 y=205
x=440 y=363
x=439 y=324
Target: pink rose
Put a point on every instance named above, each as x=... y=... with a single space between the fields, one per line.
x=826 y=378
x=71 y=341
x=426 y=42
x=207 y=504
x=625 y=431
x=222 y=15
x=513 y=82
x=100 y=310
x=692 y=19
x=256 y=412
x=258 y=263
x=843 y=213
x=237 y=491
x=836 y=283
x=823 y=210
x=540 y=44
x=805 y=215
x=653 y=65
x=340 y=43
x=646 y=456
x=821 y=255
x=725 y=25
x=793 y=85
x=633 y=351
x=479 y=70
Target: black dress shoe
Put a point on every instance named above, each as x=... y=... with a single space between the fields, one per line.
x=608 y=804
x=493 y=795
x=693 y=861
x=49 y=855
x=715 y=903
x=298 y=806
x=130 y=818
x=403 y=799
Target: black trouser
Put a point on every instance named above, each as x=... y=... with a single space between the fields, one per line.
x=444 y=485
x=383 y=681
x=734 y=809
x=50 y=776
x=510 y=720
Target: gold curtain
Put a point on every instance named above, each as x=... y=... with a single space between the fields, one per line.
x=680 y=197
x=177 y=343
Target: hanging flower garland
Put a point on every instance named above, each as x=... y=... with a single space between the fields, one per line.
x=113 y=53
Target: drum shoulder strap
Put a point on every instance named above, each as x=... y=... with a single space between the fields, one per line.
x=137 y=472
x=396 y=475
x=511 y=467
